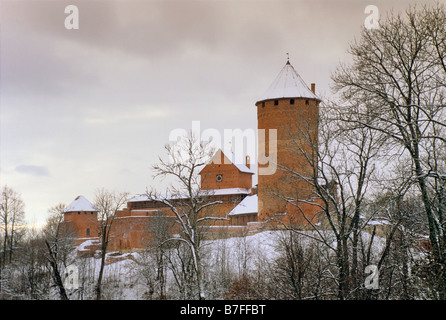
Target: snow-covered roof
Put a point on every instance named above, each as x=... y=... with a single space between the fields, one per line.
x=241 y=166
x=248 y=205
x=80 y=204
x=288 y=84
x=212 y=192
x=232 y=158
x=219 y=192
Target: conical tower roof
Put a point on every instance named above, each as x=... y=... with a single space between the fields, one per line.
x=80 y=204
x=288 y=84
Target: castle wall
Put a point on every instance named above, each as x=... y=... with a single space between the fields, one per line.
x=303 y=215
x=137 y=231
x=243 y=219
x=138 y=225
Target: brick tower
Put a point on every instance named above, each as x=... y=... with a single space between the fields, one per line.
x=82 y=217
x=292 y=108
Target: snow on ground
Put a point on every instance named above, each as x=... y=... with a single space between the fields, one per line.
x=124 y=279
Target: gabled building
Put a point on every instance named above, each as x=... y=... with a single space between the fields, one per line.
x=223 y=172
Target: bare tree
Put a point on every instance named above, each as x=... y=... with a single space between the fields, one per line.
x=59 y=245
x=396 y=86
x=107 y=203
x=12 y=216
x=28 y=276
x=191 y=206
x=342 y=167
x=155 y=258
x=292 y=266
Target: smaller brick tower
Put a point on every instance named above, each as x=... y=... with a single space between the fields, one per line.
x=82 y=217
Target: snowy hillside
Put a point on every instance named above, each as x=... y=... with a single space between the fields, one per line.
x=134 y=275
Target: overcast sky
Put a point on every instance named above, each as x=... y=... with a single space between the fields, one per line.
x=91 y=108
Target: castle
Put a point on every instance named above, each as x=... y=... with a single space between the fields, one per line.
x=290 y=107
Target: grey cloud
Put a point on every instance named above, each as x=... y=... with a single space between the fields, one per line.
x=38 y=171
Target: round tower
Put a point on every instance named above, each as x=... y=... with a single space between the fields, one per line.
x=292 y=108
x=82 y=217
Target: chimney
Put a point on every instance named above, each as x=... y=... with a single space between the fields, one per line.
x=313 y=88
x=247 y=162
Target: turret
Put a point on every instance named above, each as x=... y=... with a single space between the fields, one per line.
x=82 y=217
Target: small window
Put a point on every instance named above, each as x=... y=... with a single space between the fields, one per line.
x=263 y=104
x=276 y=102
x=88 y=232
x=219 y=177
x=307 y=102
x=291 y=101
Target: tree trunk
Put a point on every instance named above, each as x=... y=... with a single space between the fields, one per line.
x=98 y=288
x=56 y=274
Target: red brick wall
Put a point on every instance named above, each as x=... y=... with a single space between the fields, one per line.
x=135 y=232
x=133 y=228
x=295 y=124
x=232 y=177
x=81 y=221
